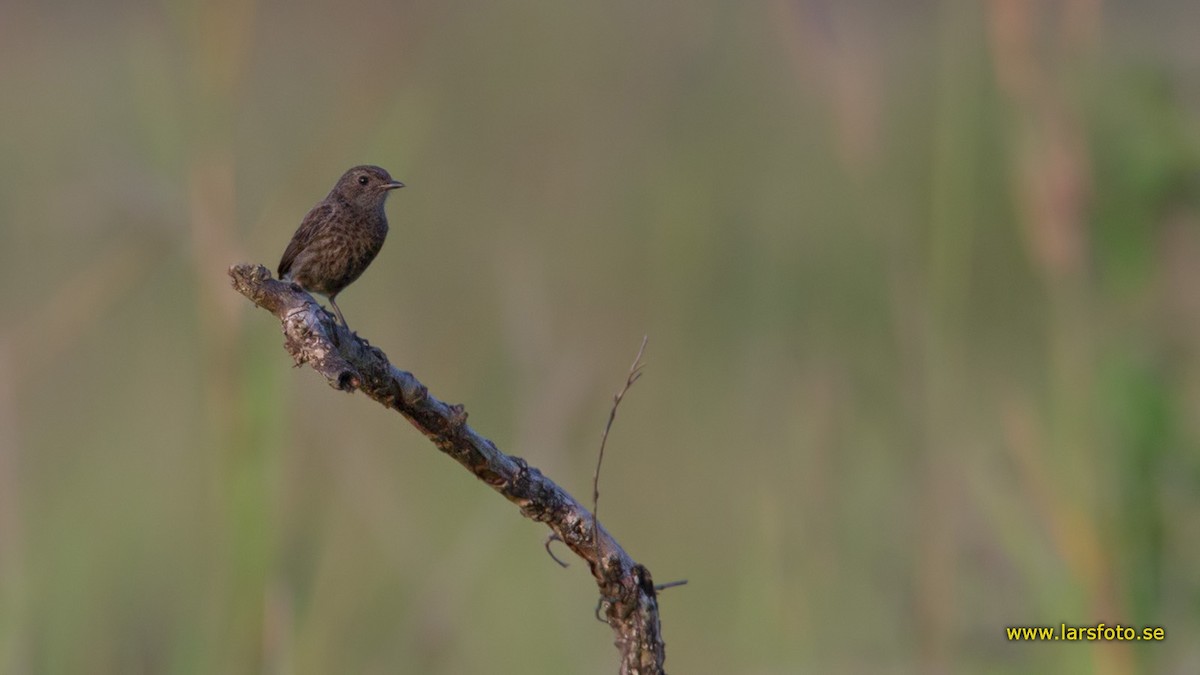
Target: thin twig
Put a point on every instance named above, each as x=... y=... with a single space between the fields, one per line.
x=550 y=540
x=635 y=371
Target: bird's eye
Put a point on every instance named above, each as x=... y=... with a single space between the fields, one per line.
x=363 y=180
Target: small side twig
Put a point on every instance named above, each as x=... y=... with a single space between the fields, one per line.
x=550 y=552
x=635 y=372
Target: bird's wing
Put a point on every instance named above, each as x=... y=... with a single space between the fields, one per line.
x=319 y=215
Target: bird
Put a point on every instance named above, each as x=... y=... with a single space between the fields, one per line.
x=341 y=235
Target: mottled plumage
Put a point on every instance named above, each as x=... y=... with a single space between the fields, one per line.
x=341 y=235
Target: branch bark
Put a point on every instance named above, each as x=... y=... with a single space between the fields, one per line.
x=312 y=336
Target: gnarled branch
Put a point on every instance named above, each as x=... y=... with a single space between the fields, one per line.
x=348 y=362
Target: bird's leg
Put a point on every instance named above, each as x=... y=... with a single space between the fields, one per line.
x=341 y=318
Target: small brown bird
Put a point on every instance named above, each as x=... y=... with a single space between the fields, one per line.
x=341 y=235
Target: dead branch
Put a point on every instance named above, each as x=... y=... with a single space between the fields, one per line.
x=348 y=362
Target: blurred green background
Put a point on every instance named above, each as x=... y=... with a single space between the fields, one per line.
x=921 y=281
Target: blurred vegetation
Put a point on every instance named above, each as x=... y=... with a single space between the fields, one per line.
x=920 y=279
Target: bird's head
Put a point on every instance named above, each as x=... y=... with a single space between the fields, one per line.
x=366 y=186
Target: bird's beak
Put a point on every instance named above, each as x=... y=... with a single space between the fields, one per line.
x=393 y=185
